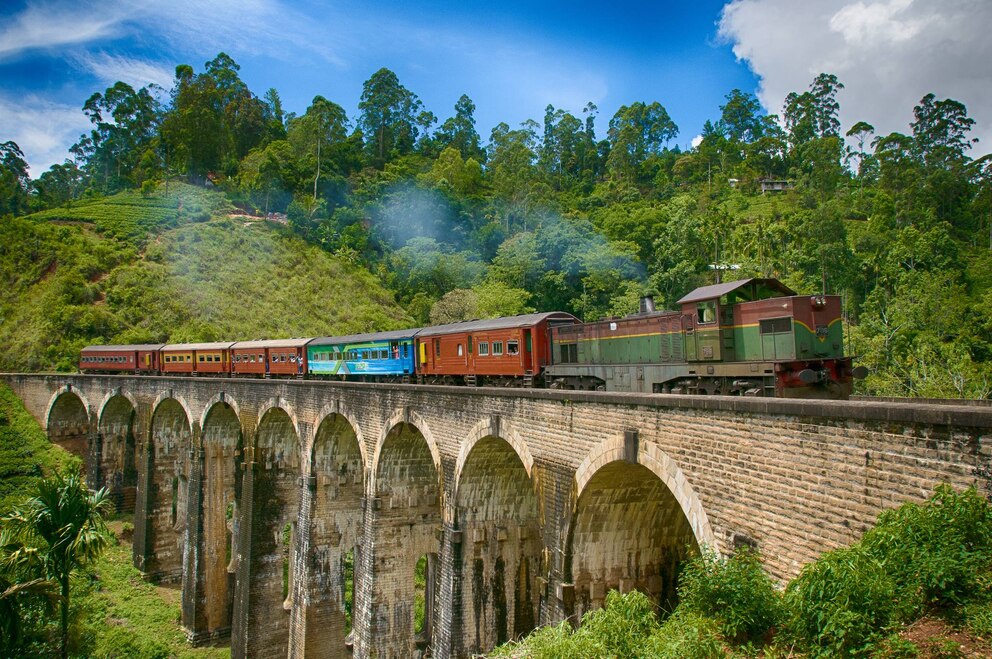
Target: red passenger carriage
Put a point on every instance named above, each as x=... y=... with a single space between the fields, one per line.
x=120 y=358
x=273 y=357
x=503 y=351
x=197 y=358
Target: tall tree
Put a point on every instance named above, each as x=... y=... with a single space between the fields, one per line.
x=14 y=179
x=637 y=131
x=125 y=123
x=64 y=523
x=740 y=117
x=815 y=113
x=319 y=137
x=214 y=120
x=388 y=117
x=459 y=131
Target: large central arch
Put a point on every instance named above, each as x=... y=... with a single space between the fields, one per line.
x=68 y=424
x=168 y=487
x=221 y=440
x=337 y=477
x=636 y=519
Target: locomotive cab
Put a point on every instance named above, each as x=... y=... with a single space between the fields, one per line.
x=796 y=339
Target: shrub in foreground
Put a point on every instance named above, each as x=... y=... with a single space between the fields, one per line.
x=734 y=591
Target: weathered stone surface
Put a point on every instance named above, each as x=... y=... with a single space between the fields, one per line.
x=530 y=505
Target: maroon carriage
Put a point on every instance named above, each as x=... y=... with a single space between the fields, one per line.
x=139 y=359
x=510 y=351
x=274 y=357
x=197 y=358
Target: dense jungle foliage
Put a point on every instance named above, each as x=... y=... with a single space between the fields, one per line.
x=921 y=567
x=573 y=213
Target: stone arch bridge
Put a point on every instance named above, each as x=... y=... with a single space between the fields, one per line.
x=295 y=513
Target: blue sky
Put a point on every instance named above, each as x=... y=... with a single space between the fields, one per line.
x=512 y=58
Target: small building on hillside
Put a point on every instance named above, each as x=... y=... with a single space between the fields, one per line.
x=774 y=185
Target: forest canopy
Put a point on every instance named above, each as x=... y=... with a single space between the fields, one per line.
x=579 y=212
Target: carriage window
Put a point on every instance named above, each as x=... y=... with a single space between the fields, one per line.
x=483 y=348
x=512 y=347
x=459 y=350
x=569 y=353
x=437 y=347
x=470 y=344
x=706 y=312
x=497 y=348
x=776 y=325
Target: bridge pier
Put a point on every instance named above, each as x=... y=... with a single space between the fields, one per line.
x=522 y=508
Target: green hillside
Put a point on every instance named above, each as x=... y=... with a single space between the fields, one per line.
x=169 y=267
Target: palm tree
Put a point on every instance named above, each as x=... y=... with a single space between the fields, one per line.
x=64 y=522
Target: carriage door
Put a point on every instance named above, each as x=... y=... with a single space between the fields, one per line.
x=727 y=332
x=689 y=334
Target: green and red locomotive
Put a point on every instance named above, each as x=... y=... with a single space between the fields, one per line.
x=751 y=337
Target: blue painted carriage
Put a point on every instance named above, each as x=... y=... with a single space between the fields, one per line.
x=380 y=356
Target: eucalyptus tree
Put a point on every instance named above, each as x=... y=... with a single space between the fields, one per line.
x=14 y=179
x=459 y=131
x=637 y=132
x=125 y=125
x=388 y=117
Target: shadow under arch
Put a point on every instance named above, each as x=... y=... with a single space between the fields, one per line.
x=217 y=459
x=169 y=469
x=634 y=522
x=496 y=511
x=67 y=423
x=330 y=547
x=117 y=438
x=405 y=489
x=275 y=499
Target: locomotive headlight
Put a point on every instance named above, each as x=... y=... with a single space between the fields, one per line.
x=818 y=301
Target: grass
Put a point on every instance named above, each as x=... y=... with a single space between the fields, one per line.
x=131 y=269
x=26 y=455
x=126 y=616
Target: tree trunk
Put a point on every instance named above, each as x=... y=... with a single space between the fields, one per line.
x=65 y=615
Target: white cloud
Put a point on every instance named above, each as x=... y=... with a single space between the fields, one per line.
x=696 y=141
x=41 y=128
x=52 y=25
x=259 y=26
x=137 y=73
x=887 y=53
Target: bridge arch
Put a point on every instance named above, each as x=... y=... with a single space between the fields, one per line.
x=222 y=397
x=71 y=392
x=169 y=467
x=110 y=395
x=274 y=514
x=339 y=408
x=219 y=463
x=406 y=489
x=118 y=432
x=493 y=426
x=178 y=399
x=410 y=418
x=67 y=422
x=496 y=511
x=635 y=518
x=331 y=539
x=285 y=408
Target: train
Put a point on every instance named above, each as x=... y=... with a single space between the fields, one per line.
x=750 y=337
